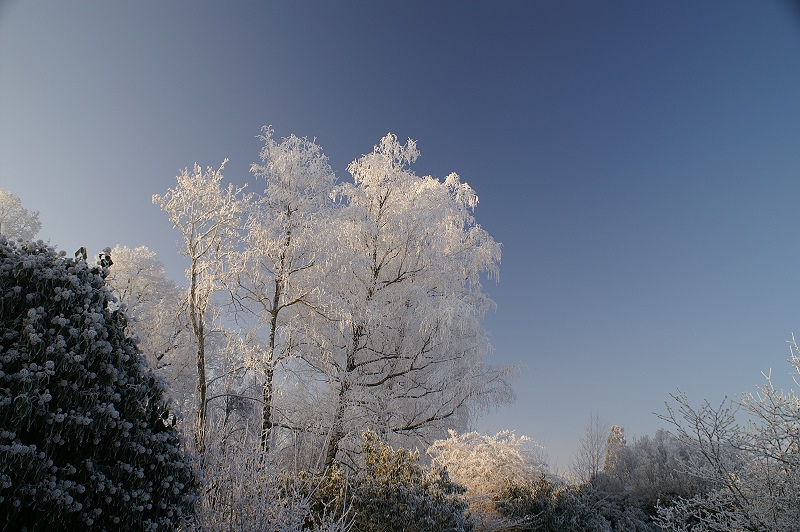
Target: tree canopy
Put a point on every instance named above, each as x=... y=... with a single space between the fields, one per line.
x=16 y=222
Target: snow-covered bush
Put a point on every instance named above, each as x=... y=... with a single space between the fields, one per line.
x=547 y=507
x=244 y=491
x=396 y=493
x=486 y=466
x=650 y=470
x=330 y=496
x=85 y=439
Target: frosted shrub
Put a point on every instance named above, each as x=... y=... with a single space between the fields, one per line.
x=244 y=491
x=395 y=493
x=546 y=506
x=486 y=466
x=84 y=436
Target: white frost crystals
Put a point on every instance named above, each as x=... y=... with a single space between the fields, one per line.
x=16 y=222
x=409 y=304
x=356 y=305
x=751 y=464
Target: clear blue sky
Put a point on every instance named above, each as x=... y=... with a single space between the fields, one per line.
x=639 y=161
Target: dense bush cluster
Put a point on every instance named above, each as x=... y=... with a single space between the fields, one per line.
x=751 y=470
x=392 y=491
x=85 y=435
x=548 y=507
x=396 y=493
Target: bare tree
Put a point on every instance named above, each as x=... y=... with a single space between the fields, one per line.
x=588 y=460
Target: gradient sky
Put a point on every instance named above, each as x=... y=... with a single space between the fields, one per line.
x=639 y=161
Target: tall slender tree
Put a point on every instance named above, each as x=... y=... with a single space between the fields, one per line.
x=278 y=271
x=209 y=217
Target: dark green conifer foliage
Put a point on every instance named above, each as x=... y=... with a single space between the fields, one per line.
x=86 y=440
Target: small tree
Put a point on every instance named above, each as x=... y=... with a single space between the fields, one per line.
x=616 y=451
x=587 y=461
x=84 y=433
x=16 y=222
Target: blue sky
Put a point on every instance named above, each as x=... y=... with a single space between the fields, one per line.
x=639 y=161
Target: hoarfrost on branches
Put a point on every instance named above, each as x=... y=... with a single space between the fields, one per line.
x=357 y=306
x=750 y=455
x=16 y=222
x=407 y=344
x=209 y=219
x=280 y=268
x=157 y=317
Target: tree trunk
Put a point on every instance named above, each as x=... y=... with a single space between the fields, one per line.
x=336 y=429
x=267 y=394
x=198 y=327
x=337 y=433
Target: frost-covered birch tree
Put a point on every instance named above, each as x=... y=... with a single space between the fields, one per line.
x=17 y=222
x=157 y=317
x=406 y=354
x=359 y=306
x=209 y=217
x=279 y=268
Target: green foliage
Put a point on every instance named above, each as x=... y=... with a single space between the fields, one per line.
x=85 y=436
x=543 y=506
x=396 y=493
x=329 y=495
